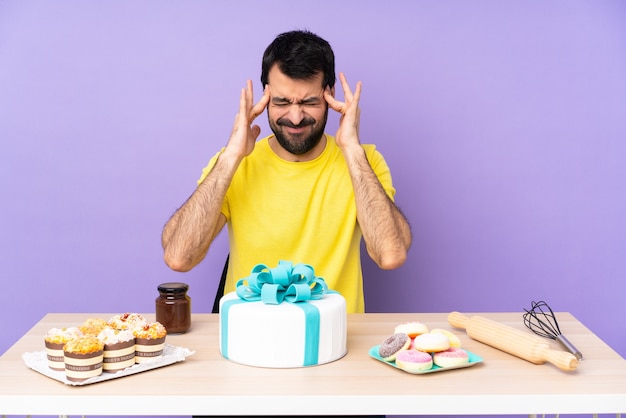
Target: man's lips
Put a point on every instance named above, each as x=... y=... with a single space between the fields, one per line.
x=295 y=129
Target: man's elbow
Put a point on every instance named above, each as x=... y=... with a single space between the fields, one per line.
x=392 y=260
x=179 y=264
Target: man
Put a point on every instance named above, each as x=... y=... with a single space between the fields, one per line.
x=300 y=194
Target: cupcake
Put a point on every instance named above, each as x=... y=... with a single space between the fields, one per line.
x=93 y=326
x=119 y=349
x=54 y=341
x=149 y=342
x=83 y=358
x=127 y=321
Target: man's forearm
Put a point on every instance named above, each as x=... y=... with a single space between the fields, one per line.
x=386 y=231
x=188 y=234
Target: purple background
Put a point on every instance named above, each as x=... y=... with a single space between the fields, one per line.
x=503 y=123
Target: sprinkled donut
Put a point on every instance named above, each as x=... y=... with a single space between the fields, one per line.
x=393 y=345
x=414 y=361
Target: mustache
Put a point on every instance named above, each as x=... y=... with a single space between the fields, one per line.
x=304 y=122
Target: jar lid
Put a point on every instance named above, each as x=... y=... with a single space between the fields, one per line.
x=173 y=287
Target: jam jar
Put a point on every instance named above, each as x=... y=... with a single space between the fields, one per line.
x=173 y=307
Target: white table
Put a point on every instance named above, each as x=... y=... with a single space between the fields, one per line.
x=207 y=384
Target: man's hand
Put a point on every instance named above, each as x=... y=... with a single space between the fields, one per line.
x=348 y=132
x=189 y=233
x=386 y=231
x=244 y=134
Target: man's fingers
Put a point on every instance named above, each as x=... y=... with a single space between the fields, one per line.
x=255 y=131
x=243 y=105
x=258 y=108
x=357 y=92
x=334 y=104
x=347 y=93
x=249 y=92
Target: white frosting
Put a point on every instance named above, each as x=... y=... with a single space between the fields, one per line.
x=64 y=334
x=113 y=336
x=274 y=335
x=127 y=321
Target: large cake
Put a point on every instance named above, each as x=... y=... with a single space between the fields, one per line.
x=272 y=320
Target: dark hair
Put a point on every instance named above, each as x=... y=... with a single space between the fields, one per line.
x=300 y=55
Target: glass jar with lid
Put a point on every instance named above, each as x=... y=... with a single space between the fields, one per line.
x=173 y=307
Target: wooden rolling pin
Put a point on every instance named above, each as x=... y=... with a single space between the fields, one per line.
x=513 y=341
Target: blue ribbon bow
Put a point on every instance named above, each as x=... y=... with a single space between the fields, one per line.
x=284 y=282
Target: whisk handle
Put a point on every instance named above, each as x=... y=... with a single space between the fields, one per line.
x=569 y=346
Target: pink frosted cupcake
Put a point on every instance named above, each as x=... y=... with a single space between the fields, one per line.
x=119 y=349
x=149 y=342
x=54 y=341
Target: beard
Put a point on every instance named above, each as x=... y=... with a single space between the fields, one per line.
x=301 y=143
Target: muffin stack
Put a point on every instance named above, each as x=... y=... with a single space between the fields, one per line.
x=98 y=345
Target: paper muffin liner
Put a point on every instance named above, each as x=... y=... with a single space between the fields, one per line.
x=79 y=367
x=54 y=353
x=147 y=350
x=118 y=356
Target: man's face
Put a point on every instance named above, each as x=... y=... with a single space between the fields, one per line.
x=297 y=111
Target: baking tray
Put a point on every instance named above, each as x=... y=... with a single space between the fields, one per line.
x=38 y=361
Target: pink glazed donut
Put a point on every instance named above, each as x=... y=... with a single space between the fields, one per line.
x=414 y=361
x=454 y=356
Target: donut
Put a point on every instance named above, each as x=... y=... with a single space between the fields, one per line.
x=393 y=345
x=431 y=343
x=454 y=356
x=412 y=329
x=414 y=361
x=454 y=340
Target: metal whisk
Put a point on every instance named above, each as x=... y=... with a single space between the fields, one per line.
x=541 y=320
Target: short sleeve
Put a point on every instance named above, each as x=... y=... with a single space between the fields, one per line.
x=381 y=169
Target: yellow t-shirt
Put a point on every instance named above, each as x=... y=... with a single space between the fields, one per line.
x=303 y=212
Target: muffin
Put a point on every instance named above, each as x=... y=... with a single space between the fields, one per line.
x=127 y=321
x=83 y=358
x=119 y=349
x=93 y=326
x=54 y=341
x=149 y=342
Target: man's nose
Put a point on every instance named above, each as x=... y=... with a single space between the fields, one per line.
x=295 y=114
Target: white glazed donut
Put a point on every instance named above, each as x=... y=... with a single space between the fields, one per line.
x=412 y=329
x=454 y=340
x=452 y=357
x=431 y=343
x=414 y=361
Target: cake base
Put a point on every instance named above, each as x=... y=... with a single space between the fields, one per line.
x=284 y=335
